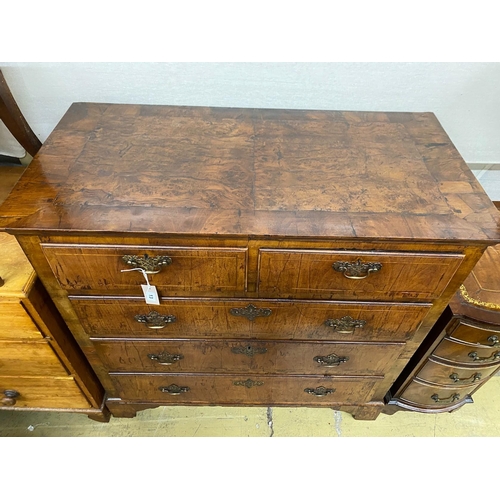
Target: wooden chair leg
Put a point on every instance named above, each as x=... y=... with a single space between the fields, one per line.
x=14 y=120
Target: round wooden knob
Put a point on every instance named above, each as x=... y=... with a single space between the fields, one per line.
x=9 y=398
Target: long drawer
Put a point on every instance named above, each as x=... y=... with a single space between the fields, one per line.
x=437 y=372
x=174 y=270
x=15 y=324
x=44 y=392
x=481 y=334
x=468 y=354
x=430 y=395
x=355 y=275
x=309 y=358
x=304 y=320
x=239 y=389
x=29 y=358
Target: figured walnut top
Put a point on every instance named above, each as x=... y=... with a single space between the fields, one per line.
x=195 y=170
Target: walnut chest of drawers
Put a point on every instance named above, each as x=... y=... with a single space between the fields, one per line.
x=300 y=257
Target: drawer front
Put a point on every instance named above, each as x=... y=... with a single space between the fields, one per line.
x=16 y=324
x=309 y=358
x=249 y=319
x=175 y=270
x=41 y=392
x=359 y=275
x=29 y=358
x=481 y=334
x=468 y=354
x=243 y=389
x=440 y=373
x=435 y=396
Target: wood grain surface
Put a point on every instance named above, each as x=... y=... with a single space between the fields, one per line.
x=198 y=170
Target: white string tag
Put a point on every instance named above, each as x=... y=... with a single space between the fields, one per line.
x=149 y=291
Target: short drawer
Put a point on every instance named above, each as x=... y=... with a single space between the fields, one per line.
x=243 y=389
x=477 y=333
x=29 y=358
x=41 y=392
x=360 y=275
x=189 y=318
x=437 y=372
x=431 y=396
x=16 y=324
x=309 y=358
x=174 y=270
x=469 y=354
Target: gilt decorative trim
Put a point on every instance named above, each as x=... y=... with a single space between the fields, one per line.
x=476 y=302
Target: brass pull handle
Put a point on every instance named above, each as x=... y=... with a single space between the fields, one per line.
x=475 y=378
x=155 y=320
x=174 y=389
x=319 y=391
x=10 y=397
x=250 y=312
x=450 y=399
x=495 y=341
x=248 y=383
x=330 y=360
x=475 y=357
x=357 y=270
x=345 y=324
x=165 y=358
x=151 y=265
x=249 y=350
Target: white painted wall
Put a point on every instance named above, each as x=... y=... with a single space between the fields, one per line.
x=464 y=96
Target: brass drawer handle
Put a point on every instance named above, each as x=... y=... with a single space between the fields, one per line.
x=319 y=391
x=345 y=324
x=495 y=341
x=475 y=378
x=155 y=320
x=450 y=399
x=165 y=358
x=151 y=265
x=249 y=350
x=250 y=312
x=10 y=397
x=494 y=357
x=357 y=270
x=248 y=383
x=174 y=389
x=330 y=360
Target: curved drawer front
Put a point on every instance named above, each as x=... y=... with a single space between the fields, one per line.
x=468 y=354
x=440 y=373
x=361 y=275
x=43 y=392
x=435 y=396
x=309 y=358
x=480 y=334
x=174 y=318
x=243 y=389
x=175 y=270
x=29 y=358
